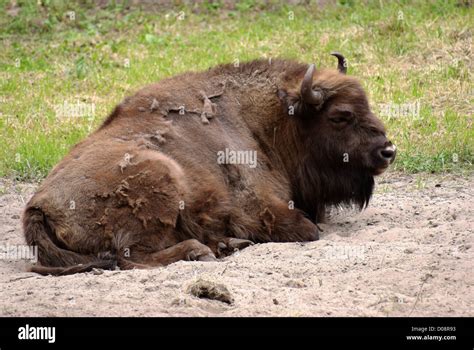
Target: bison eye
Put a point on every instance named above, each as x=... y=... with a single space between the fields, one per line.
x=341 y=118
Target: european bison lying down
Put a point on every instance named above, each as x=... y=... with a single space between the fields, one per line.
x=203 y=163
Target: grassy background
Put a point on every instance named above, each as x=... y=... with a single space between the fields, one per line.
x=402 y=51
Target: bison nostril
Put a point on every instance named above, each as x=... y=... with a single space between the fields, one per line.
x=387 y=153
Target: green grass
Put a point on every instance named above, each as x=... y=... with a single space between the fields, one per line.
x=423 y=53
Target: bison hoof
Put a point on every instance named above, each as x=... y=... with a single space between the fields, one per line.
x=199 y=255
x=237 y=243
x=207 y=257
x=231 y=245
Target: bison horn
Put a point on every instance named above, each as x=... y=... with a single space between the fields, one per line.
x=341 y=62
x=309 y=95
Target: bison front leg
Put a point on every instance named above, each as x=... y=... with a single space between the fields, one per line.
x=283 y=223
x=190 y=249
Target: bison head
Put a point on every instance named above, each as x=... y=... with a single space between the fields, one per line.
x=343 y=142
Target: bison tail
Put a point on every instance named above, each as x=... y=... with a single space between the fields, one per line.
x=53 y=257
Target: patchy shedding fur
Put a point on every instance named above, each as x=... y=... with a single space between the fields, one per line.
x=148 y=190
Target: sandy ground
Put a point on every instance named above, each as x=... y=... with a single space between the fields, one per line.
x=409 y=254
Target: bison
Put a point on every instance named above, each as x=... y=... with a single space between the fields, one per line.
x=201 y=164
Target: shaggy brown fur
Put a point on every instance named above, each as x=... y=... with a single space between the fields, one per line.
x=146 y=189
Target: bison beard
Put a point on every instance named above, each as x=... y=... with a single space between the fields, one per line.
x=145 y=189
x=333 y=188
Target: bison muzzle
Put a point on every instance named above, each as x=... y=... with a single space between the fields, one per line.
x=201 y=164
